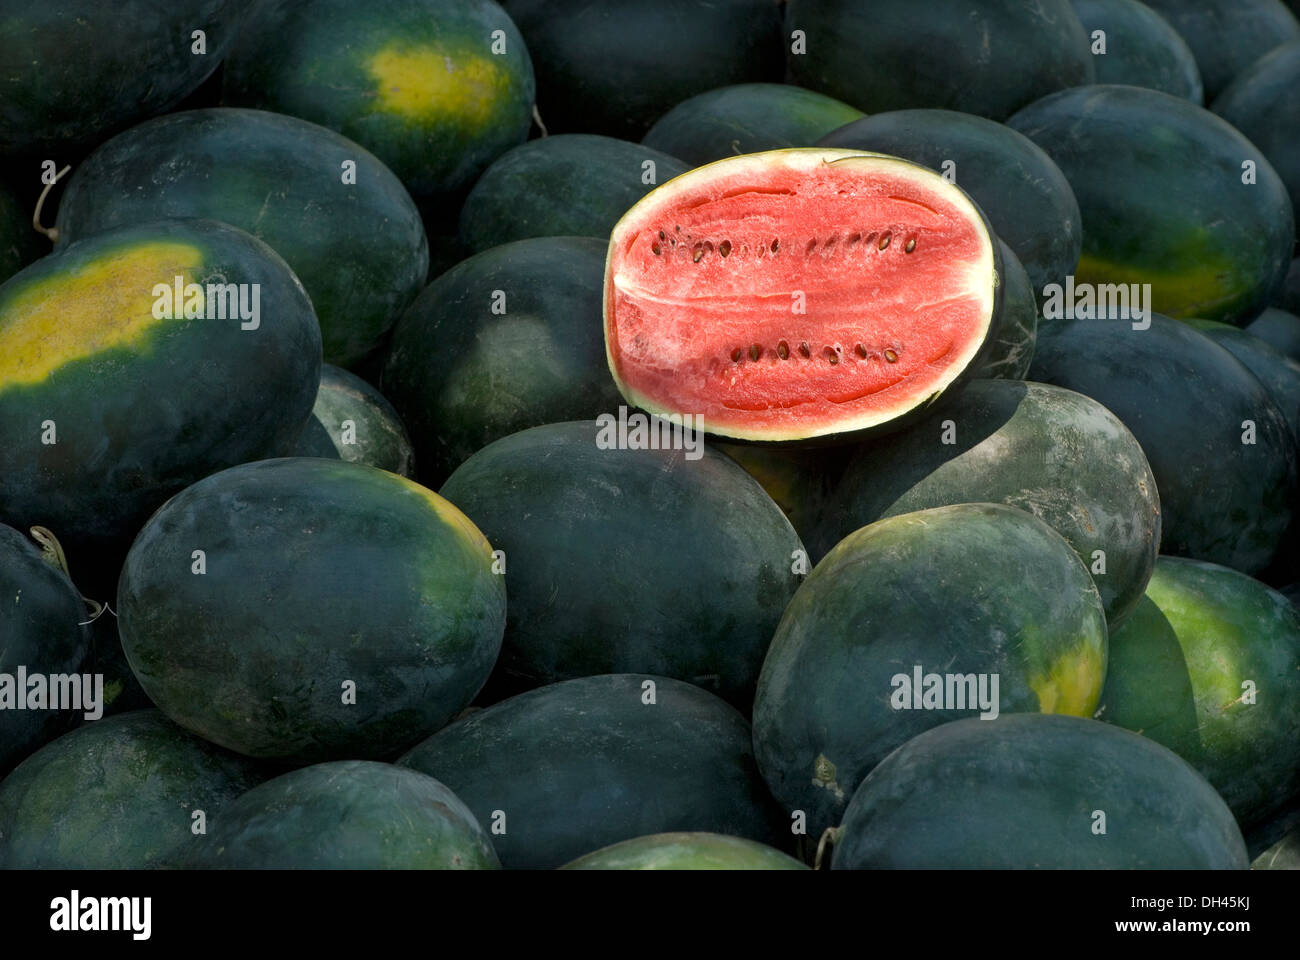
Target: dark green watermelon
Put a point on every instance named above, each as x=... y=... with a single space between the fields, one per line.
x=1141 y=48
x=1058 y=454
x=686 y=851
x=347 y=815
x=352 y=233
x=800 y=479
x=1150 y=172
x=598 y=545
x=110 y=407
x=1227 y=36
x=1280 y=328
x=1187 y=400
x=510 y=338
x=1289 y=298
x=1210 y=667
x=570 y=185
x=975 y=590
x=616 y=66
x=77 y=71
x=746 y=118
x=987 y=57
x=1016 y=328
x=341 y=611
x=1262 y=103
x=1283 y=855
x=18 y=246
x=41 y=636
x=436 y=89
x=123 y=793
x=353 y=421
x=1023 y=193
x=1037 y=792
x=1278 y=372
x=556 y=772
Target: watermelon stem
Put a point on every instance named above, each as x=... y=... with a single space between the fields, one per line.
x=52 y=553
x=537 y=119
x=830 y=837
x=52 y=233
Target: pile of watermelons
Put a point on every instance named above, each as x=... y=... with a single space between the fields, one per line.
x=622 y=435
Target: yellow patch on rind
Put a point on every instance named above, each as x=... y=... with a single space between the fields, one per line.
x=449 y=514
x=1198 y=294
x=425 y=84
x=101 y=305
x=1071 y=686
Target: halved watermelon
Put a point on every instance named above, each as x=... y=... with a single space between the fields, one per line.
x=799 y=293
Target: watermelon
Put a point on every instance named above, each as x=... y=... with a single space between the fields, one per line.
x=616 y=66
x=1023 y=193
x=558 y=771
x=110 y=407
x=1058 y=454
x=1210 y=667
x=508 y=339
x=800 y=293
x=1263 y=102
x=595 y=538
x=1151 y=172
x=353 y=421
x=340 y=219
x=436 y=89
x=124 y=793
x=1134 y=45
x=18 y=245
x=686 y=851
x=1219 y=448
x=1280 y=328
x=305 y=609
x=1278 y=372
x=799 y=479
x=41 y=638
x=987 y=57
x=746 y=118
x=1016 y=329
x=1289 y=298
x=983 y=604
x=347 y=815
x=76 y=71
x=1035 y=792
x=1283 y=855
x=122 y=691
x=572 y=184
x=1227 y=36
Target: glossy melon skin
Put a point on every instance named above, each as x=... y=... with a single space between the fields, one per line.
x=416 y=82
x=590 y=762
x=896 y=54
x=965 y=589
x=1179 y=673
x=1024 y=792
x=686 y=851
x=746 y=118
x=1059 y=455
x=323 y=578
x=616 y=66
x=468 y=365
x=347 y=815
x=1261 y=103
x=1186 y=399
x=1142 y=48
x=140 y=406
x=595 y=540
x=76 y=71
x=40 y=616
x=1278 y=372
x=1025 y=196
x=358 y=248
x=117 y=794
x=567 y=185
x=1150 y=171
x=353 y=421
x=1227 y=36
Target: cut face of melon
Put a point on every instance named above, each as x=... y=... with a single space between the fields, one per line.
x=798 y=293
